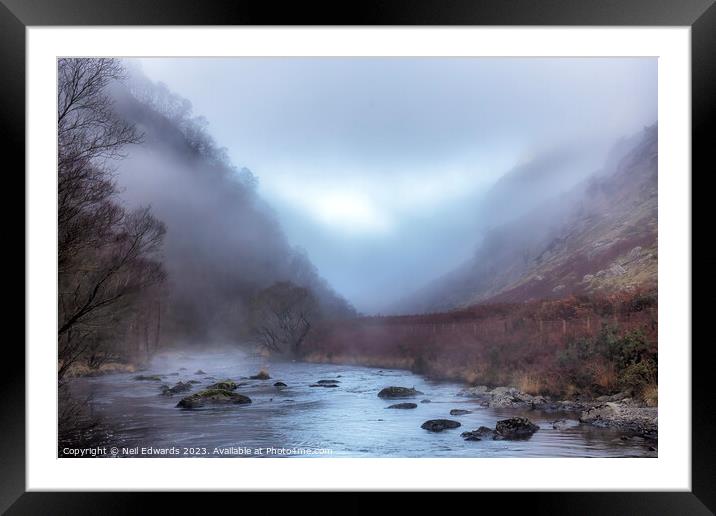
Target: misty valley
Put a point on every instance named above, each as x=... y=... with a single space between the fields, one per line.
x=208 y=311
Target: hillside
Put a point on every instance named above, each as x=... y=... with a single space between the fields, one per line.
x=223 y=241
x=600 y=237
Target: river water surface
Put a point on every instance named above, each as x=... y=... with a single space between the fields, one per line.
x=299 y=420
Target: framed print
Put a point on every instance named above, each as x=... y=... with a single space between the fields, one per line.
x=265 y=245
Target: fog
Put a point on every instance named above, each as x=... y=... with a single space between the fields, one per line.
x=385 y=171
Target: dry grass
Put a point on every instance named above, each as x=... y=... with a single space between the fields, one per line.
x=522 y=345
x=650 y=395
x=530 y=384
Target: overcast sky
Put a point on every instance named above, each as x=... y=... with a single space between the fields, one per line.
x=376 y=166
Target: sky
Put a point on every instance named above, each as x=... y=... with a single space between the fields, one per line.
x=377 y=167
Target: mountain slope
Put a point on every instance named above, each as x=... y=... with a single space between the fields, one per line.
x=600 y=237
x=223 y=242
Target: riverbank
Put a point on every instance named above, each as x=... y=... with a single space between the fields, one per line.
x=293 y=408
x=567 y=349
x=81 y=369
x=620 y=410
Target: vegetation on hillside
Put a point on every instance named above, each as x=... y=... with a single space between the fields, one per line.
x=580 y=346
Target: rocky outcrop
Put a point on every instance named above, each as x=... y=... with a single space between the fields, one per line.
x=438 y=425
x=403 y=406
x=398 y=392
x=503 y=397
x=624 y=415
x=511 y=397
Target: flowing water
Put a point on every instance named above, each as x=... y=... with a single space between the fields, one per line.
x=299 y=420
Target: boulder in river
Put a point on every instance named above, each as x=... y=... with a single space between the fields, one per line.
x=481 y=434
x=148 y=378
x=280 y=384
x=225 y=385
x=199 y=371
x=327 y=382
x=425 y=401
x=506 y=429
x=261 y=375
x=398 y=392
x=178 y=387
x=323 y=385
x=438 y=425
x=403 y=406
x=515 y=428
x=212 y=397
x=459 y=412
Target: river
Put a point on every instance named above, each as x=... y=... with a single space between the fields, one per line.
x=299 y=420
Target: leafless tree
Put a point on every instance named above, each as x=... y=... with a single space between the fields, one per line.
x=107 y=257
x=88 y=129
x=282 y=315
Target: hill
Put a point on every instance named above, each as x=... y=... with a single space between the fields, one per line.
x=600 y=237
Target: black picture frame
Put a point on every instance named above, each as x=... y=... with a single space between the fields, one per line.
x=700 y=15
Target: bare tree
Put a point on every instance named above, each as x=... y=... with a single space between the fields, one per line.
x=282 y=315
x=88 y=129
x=107 y=257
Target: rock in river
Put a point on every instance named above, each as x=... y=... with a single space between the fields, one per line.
x=508 y=429
x=398 y=392
x=438 y=425
x=151 y=378
x=481 y=434
x=262 y=375
x=459 y=412
x=280 y=384
x=515 y=428
x=327 y=382
x=403 y=406
x=178 y=387
x=323 y=385
x=225 y=385
x=212 y=397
